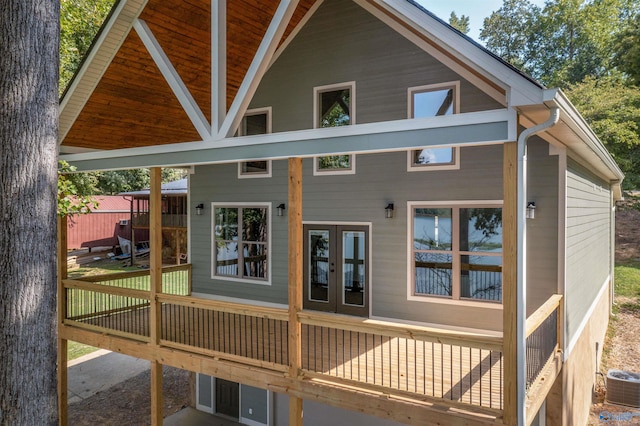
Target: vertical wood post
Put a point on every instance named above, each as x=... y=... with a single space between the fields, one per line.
x=509 y=280
x=62 y=306
x=295 y=281
x=155 y=268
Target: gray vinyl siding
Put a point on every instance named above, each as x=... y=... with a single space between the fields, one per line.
x=361 y=198
x=220 y=183
x=542 y=232
x=588 y=242
x=343 y=42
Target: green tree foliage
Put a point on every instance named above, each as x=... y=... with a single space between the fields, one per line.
x=459 y=23
x=627 y=49
x=510 y=32
x=80 y=21
x=74 y=190
x=560 y=44
x=612 y=109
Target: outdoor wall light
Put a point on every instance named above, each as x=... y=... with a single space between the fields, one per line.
x=388 y=211
x=531 y=210
x=280 y=209
x=199 y=209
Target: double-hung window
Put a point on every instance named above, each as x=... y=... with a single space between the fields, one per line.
x=334 y=106
x=255 y=122
x=432 y=101
x=456 y=250
x=241 y=242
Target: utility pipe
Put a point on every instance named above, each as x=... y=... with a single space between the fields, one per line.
x=521 y=281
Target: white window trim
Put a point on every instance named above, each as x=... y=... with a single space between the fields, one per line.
x=266 y=281
x=455 y=284
x=351 y=85
x=267 y=174
x=456 y=110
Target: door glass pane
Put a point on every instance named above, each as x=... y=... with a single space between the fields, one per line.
x=353 y=268
x=318 y=279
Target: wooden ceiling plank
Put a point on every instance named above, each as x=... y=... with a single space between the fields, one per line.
x=173 y=79
x=258 y=67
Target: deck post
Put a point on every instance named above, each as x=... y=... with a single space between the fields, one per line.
x=62 y=343
x=295 y=282
x=155 y=269
x=509 y=282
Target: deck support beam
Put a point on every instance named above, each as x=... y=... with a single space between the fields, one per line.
x=295 y=282
x=509 y=279
x=62 y=343
x=155 y=269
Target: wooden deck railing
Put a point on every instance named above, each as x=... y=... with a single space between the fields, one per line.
x=458 y=369
x=543 y=361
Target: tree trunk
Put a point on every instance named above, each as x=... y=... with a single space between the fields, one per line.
x=29 y=33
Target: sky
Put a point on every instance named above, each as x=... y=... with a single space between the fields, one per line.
x=476 y=10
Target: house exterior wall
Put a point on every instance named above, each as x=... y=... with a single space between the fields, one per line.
x=343 y=42
x=588 y=244
x=542 y=232
x=358 y=198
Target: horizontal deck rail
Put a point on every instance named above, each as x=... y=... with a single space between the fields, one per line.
x=119 y=303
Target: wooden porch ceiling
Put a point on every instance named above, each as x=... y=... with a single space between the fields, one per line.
x=133 y=105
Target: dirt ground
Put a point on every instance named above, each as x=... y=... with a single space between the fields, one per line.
x=129 y=402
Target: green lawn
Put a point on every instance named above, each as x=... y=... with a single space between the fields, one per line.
x=628 y=279
x=74 y=349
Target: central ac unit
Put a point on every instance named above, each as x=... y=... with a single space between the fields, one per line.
x=623 y=388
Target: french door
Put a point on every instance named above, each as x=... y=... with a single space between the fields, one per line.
x=336 y=269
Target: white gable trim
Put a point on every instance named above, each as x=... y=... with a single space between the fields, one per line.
x=172 y=77
x=258 y=67
x=99 y=58
x=218 y=64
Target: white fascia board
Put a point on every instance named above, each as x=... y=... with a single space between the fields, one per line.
x=574 y=120
x=98 y=59
x=478 y=128
x=258 y=67
x=218 y=64
x=172 y=77
x=521 y=91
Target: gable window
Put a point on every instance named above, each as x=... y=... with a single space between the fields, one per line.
x=241 y=242
x=456 y=251
x=432 y=101
x=334 y=106
x=255 y=122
